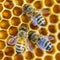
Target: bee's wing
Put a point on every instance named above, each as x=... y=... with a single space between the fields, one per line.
x=30 y=46
x=50 y=38
x=12 y=41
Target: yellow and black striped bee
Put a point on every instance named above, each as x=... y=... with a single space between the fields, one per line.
x=39 y=20
x=42 y=42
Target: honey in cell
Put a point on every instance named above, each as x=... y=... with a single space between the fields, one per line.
x=9 y=51
x=13 y=31
x=4 y=24
x=2 y=44
x=15 y=21
x=17 y=11
x=6 y=14
x=8 y=4
x=3 y=34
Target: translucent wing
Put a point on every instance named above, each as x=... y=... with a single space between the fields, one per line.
x=30 y=46
x=12 y=40
x=50 y=38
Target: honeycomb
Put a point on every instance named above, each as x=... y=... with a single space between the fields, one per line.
x=12 y=17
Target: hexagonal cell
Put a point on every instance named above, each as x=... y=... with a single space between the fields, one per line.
x=43 y=31
x=58 y=46
x=29 y=55
x=9 y=51
x=58 y=35
x=18 y=57
x=2 y=44
x=1 y=0
x=38 y=4
x=33 y=27
x=1 y=54
x=7 y=58
x=25 y=18
x=49 y=3
x=15 y=21
x=6 y=14
x=29 y=1
x=1 y=7
x=39 y=52
x=8 y=4
x=56 y=8
x=58 y=1
x=57 y=56
x=45 y=12
x=13 y=31
x=47 y=57
x=52 y=28
x=17 y=11
x=19 y=2
x=3 y=34
x=53 y=18
x=4 y=24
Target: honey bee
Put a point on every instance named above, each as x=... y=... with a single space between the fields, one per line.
x=38 y=20
x=29 y=10
x=42 y=42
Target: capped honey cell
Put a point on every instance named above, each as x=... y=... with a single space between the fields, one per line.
x=47 y=57
x=29 y=1
x=1 y=7
x=7 y=58
x=18 y=57
x=29 y=55
x=53 y=18
x=17 y=11
x=38 y=4
x=57 y=56
x=58 y=46
x=25 y=18
x=3 y=34
x=8 y=4
x=2 y=44
x=13 y=31
x=58 y=35
x=52 y=28
x=4 y=24
x=39 y=52
x=43 y=31
x=19 y=2
x=45 y=11
x=48 y=3
x=15 y=21
x=6 y=14
x=56 y=8
x=58 y=1
x=9 y=51
x=1 y=54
